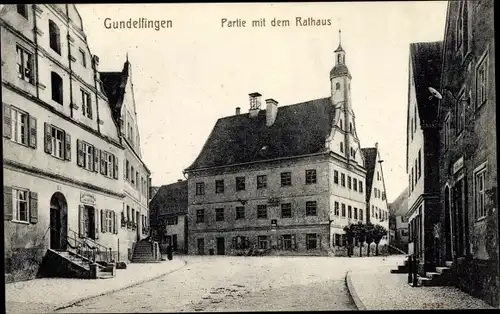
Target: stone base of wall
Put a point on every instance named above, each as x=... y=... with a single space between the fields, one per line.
x=22 y=264
x=479 y=278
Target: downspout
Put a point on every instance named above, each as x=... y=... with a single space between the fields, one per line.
x=71 y=104
x=35 y=39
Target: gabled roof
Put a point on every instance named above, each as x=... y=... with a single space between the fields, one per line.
x=114 y=86
x=370 y=155
x=299 y=129
x=170 y=199
x=426 y=62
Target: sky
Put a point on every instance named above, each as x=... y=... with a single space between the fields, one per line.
x=188 y=76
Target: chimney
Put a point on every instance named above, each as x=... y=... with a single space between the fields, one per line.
x=271 y=111
x=238 y=110
x=254 y=104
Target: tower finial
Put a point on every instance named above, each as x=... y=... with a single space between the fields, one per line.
x=127 y=56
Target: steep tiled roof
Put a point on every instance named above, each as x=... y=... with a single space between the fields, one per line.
x=370 y=155
x=299 y=129
x=170 y=199
x=114 y=86
x=426 y=61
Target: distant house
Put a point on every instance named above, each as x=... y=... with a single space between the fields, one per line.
x=152 y=192
x=168 y=210
x=398 y=210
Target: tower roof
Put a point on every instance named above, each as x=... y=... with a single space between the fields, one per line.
x=339 y=70
x=339 y=48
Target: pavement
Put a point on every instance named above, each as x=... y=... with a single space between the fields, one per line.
x=378 y=289
x=50 y=294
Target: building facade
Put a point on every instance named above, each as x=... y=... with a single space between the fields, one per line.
x=168 y=214
x=422 y=152
x=468 y=163
x=62 y=146
x=398 y=210
x=285 y=179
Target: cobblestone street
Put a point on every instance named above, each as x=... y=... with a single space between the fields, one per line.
x=212 y=283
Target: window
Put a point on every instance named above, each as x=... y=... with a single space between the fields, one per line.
x=360 y=214
x=336 y=208
x=447 y=132
x=20 y=205
x=240 y=242
x=57 y=142
x=128 y=213
x=24 y=64
x=412 y=182
x=341 y=124
x=107 y=164
x=286 y=210
x=415 y=120
x=341 y=147
x=482 y=81
x=55 y=37
x=411 y=126
x=83 y=58
x=460 y=114
x=311 y=207
x=459 y=27
x=286 y=178
x=86 y=104
x=23 y=10
x=108 y=223
x=310 y=176
x=350 y=127
x=262 y=242
x=240 y=183
x=335 y=177
x=342 y=179
x=219 y=186
x=219 y=214
x=355 y=184
x=240 y=212
x=349 y=186
x=172 y=221
x=343 y=210
x=19 y=126
x=137 y=180
x=311 y=241
x=261 y=182
x=261 y=211
x=337 y=85
x=360 y=186
x=349 y=212
x=200 y=215
x=378 y=176
x=287 y=242
x=200 y=188
x=57 y=88
x=419 y=163
x=127 y=174
x=132 y=179
x=88 y=156
x=355 y=213
x=479 y=193
x=373 y=210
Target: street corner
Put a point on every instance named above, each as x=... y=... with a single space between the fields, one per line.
x=353 y=293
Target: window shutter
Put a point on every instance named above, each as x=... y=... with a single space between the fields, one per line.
x=67 y=143
x=7 y=121
x=80 y=156
x=293 y=241
x=103 y=221
x=33 y=207
x=115 y=167
x=280 y=242
x=32 y=135
x=96 y=159
x=115 y=223
x=48 y=138
x=81 y=221
x=124 y=168
x=96 y=218
x=103 y=162
x=7 y=203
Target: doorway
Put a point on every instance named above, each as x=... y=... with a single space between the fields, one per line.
x=459 y=218
x=58 y=222
x=448 y=232
x=90 y=225
x=221 y=247
x=201 y=246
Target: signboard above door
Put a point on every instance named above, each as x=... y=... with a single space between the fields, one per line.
x=87 y=198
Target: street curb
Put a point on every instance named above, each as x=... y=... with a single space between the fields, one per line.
x=354 y=295
x=71 y=303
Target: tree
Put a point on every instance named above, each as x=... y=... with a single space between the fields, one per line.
x=369 y=230
x=361 y=236
x=349 y=235
x=378 y=233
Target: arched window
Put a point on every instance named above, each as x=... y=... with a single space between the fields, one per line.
x=57 y=87
x=337 y=86
x=55 y=37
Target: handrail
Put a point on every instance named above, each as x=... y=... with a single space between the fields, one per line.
x=397 y=249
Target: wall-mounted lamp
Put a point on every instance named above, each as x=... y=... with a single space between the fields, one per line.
x=438 y=95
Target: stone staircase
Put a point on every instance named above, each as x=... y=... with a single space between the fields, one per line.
x=103 y=270
x=146 y=252
x=70 y=264
x=442 y=276
x=402 y=269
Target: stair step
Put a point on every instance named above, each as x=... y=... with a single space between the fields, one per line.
x=432 y=275
x=442 y=269
x=449 y=264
